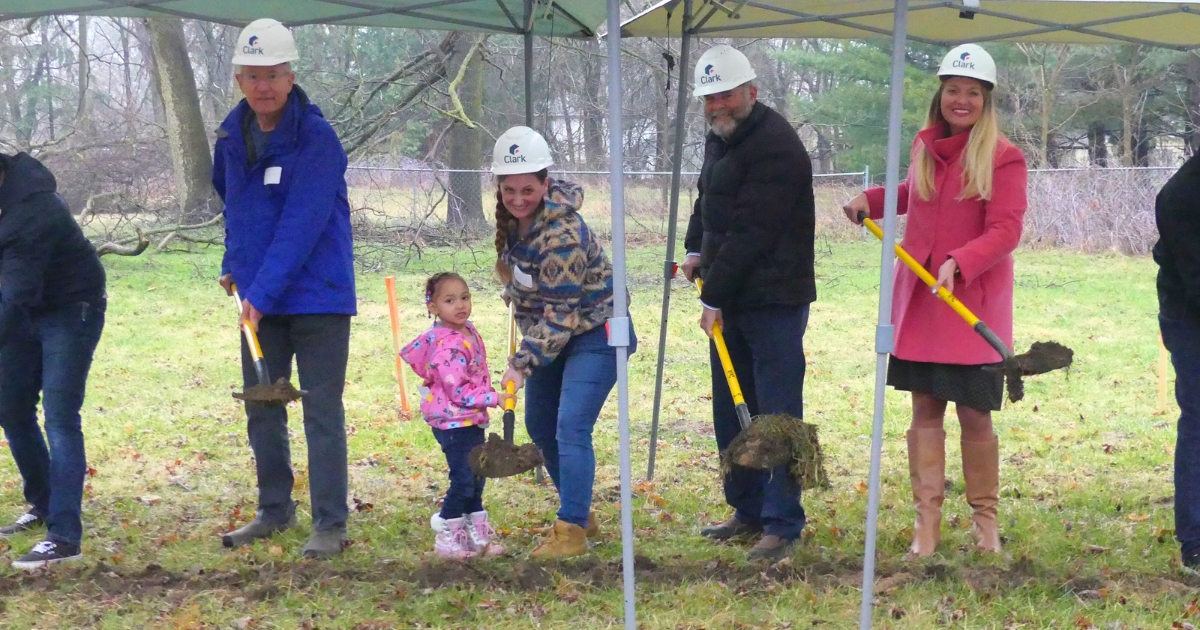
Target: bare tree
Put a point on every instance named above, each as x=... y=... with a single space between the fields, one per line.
x=190 y=152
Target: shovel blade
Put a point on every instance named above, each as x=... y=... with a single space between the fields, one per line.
x=280 y=393
x=497 y=459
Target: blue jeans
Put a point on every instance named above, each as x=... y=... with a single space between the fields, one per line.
x=50 y=357
x=1182 y=339
x=465 y=494
x=321 y=345
x=767 y=349
x=562 y=402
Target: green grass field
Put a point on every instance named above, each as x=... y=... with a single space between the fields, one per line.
x=1086 y=477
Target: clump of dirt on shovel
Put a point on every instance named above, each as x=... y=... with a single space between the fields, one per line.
x=778 y=440
x=279 y=393
x=498 y=458
x=1043 y=357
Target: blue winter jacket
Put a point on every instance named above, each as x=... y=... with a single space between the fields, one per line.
x=287 y=244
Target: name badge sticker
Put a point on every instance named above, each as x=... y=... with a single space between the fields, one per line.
x=272 y=175
x=522 y=278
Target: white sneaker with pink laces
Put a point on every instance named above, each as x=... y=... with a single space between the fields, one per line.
x=452 y=540
x=481 y=534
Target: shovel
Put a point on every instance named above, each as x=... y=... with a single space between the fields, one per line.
x=277 y=394
x=1043 y=356
x=769 y=441
x=499 y=457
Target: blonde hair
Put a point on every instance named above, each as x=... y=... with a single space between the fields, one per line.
x=976 y=159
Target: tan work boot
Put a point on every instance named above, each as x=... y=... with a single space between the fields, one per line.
x=566 y=540
x=592 y=531
x=927 y=471
x=981 y=470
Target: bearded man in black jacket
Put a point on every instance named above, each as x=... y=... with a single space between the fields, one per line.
x=52 y=303
x=750 y=239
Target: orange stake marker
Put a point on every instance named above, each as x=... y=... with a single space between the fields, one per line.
x=394 y=310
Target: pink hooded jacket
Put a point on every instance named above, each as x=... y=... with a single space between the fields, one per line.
x=458 y=389
x=980 y=235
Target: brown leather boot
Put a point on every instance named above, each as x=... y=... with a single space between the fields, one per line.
x=592 y=531
x=981 y=470
x=565 y=541
x=927 y=471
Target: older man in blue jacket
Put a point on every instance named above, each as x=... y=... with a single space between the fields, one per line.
x=280 y=169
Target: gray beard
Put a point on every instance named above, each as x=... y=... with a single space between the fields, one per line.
x=725 y=130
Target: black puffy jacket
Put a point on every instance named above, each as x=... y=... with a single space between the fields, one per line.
x=1177 y=252
x=754 y=219
x=45 y=260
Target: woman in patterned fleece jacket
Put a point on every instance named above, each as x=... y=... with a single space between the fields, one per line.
x=560 y=283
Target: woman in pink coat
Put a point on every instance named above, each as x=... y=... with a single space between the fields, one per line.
x=965 y=201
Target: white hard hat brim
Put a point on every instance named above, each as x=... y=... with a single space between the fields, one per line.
x=710 y=88
x=262 y=61
x=520 y=169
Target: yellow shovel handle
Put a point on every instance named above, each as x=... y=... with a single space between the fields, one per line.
x=924 y=275
x=723 y=353
x=247 y=329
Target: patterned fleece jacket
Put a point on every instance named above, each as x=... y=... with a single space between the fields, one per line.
x=458 y=389
x=562 y=282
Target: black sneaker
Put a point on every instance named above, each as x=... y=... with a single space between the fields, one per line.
x=24 y=523
x=1191 y=563
x=47 y=553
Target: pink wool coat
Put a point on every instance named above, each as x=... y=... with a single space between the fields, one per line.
x=457 y=389
x=980 y=235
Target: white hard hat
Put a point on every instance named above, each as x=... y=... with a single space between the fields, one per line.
x=721 y=68
x=265 y=42
x=969 y=60
x=520 y=150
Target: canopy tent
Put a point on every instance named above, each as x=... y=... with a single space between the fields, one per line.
x=941 y=22
x=944 y=22
x=557 y=18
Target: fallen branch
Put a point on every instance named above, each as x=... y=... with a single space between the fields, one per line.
x=125 y=250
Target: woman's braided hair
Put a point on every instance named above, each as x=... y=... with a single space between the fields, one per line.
x=505 y=223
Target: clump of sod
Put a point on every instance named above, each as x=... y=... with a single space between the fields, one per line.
x=497 y=458
x=281 y=392
x=778 y=440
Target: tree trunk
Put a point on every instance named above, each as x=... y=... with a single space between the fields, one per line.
x=465 y=208
x=1098 y=144
x=594 y=107
x=191 y=156
x=130 y=106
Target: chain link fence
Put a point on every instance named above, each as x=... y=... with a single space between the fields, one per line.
x=412 y=206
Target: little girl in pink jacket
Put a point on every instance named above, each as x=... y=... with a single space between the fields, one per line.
x=455 y=395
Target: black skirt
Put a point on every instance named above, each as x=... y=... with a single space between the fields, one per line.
x=968 y=385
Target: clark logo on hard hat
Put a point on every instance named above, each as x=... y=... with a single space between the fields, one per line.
x=265 y=42
x=721 y=68
x=520 y=150
x=971 y=61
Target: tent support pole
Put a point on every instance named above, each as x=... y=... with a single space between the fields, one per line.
x=884 y=331
x=619 y=324
x=528 y=37
x=681 y=107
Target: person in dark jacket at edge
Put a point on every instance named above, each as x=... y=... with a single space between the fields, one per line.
x=51 y=316
x=280 y=169
x=1177 y=252
x=750 y=239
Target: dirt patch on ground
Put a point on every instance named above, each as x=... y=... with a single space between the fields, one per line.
x=266 y=581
